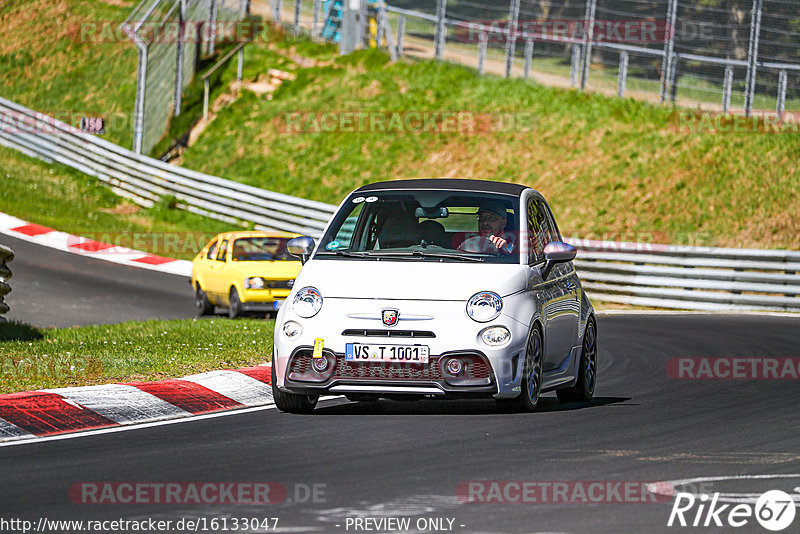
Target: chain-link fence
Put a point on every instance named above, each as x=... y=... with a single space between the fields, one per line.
x=737 y=55
x=171 y=36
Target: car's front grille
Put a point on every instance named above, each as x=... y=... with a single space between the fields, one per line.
x=388 y=371
x=362 y=332
x=279 y=284
x=476 y=367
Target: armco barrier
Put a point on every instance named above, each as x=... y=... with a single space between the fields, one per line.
x=700 y=278
x=144 y=179
x=6 y=255
x=632 y=273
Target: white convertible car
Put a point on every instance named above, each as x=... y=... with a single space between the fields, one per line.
x=436 y=288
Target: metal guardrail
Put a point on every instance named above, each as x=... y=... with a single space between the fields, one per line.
x=700 y=278
x=6 y=255
x=144 y=180
x=642 y=274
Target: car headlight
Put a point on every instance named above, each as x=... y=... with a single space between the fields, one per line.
x=484 y=306
x=254 y=282
x=307 y=302
x=495 y=336
x=292 y=329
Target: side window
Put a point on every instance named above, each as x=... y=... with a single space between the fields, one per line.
x=345 y=234
x=212 y=250
x=223 y=250
x=553 y=234
x=537 y=232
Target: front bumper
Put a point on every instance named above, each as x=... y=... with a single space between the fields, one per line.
x=263 y=299
x=489 y=371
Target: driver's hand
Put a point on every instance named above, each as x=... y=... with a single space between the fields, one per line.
x=498 y=241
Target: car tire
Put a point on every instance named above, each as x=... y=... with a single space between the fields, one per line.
x=234 y=304
x=583 y=390
x=202 y=305
x=531 y=382
x=291 y=402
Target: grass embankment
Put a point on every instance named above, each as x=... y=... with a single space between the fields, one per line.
x=64 y=199
x=49 y=65
x=32 y=358
x=611 y=168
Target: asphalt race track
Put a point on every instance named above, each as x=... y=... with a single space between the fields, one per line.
x=407 y=460
x=54 y=288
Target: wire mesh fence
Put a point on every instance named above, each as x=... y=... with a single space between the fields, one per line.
x=725 y=55
x=171 y=36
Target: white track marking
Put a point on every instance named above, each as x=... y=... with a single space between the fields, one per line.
x=237 y=386
x=7 y=430
x=121 y=403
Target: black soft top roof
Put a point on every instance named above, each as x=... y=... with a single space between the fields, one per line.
x=485 y=186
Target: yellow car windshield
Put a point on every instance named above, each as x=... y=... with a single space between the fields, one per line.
x=262 y=249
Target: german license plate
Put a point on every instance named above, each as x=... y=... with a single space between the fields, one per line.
x=359 y=352
x=276 y=304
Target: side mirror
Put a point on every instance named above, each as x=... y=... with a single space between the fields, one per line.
x=301 y=247
x=557 y=252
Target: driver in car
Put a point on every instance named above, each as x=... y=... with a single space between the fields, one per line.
x=492 y=238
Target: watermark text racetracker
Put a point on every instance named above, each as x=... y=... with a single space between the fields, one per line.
x=733 y=368
x=463 y=122
x=563 y=492
x=184 y=524
x=187 y=493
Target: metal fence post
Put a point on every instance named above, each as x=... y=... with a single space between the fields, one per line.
x=673 y=74
x=206 y=90
x=381 y=32
x=727 y=86
x=141 y=89
x=390 y=44
x=622 y=75
x=511 y=35
x=752 y=56
x=528 y=57
x=240 y=66
x=212 y=18
x=588 y=36
x=482 y=44
x=574 y=66
x=669 y=49
x=297 y=5
x=401 y=32
x=441 y=28
x=363 y=23
x=782 y=84
x=179 y=63
x=316 y=30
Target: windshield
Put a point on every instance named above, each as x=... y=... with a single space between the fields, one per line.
x=262 y=249
x=425 y=225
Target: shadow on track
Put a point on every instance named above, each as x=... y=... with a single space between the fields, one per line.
x=456 y=407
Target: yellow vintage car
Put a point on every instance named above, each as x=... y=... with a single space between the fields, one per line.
x=244 y=272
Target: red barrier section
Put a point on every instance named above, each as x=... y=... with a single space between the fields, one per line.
x=262 y=373
x=47 y=413
x=188 y=396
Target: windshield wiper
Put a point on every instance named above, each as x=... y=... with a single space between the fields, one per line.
x=348 y=253
x=423 y=254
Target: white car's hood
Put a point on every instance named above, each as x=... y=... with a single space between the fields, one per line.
x=415 y=280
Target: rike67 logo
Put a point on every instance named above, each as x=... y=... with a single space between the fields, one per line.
x=774 y=510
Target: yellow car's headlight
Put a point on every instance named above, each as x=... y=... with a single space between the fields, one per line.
x=255 y=282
